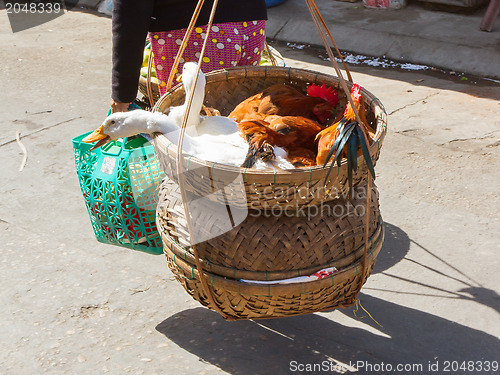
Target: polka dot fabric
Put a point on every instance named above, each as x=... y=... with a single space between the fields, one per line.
x=231 y=44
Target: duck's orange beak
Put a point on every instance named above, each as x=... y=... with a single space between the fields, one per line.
x=97 y=136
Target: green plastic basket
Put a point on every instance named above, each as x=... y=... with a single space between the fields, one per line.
x=119 y=183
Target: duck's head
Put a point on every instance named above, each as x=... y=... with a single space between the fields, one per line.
x=119 y=125
x=188 y=75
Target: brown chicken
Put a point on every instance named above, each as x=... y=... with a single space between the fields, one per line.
x=327 y=137
x=284 y=100
x=295 y=134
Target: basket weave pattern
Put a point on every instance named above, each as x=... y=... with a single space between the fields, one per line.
x=280 y=251
x=250 y=301
x=266 y=188
x=267 y=244
x=269 y=247
x=143 y=89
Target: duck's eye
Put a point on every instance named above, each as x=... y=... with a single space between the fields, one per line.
x=112 y=122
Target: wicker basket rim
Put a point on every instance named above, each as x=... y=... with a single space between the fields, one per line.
x=272 y=72
x=226 y=271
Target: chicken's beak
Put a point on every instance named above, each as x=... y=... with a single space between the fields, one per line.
x=178 y=77
x=97 y=136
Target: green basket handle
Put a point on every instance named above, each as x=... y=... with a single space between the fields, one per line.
x=110 y=146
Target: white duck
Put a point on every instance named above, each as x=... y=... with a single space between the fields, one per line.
x=214 y=125
x=196 y=124
x=211 y=138
x=228 y=149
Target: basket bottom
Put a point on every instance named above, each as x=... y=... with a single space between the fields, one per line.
x=236 y=303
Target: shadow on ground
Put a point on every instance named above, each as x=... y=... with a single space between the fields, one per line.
x=396 y=246
x=407 y=335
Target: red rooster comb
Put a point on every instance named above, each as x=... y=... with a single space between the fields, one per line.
x=355 y=95
x=356 y=92
x=323 y=92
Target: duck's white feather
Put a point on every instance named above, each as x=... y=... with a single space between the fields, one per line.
x=177 y=113
x=280 y=161
x=197 y=124
x=228 y=148
x=217 y=125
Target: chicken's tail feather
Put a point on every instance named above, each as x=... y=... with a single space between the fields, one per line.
x=264 y=152
x=260 y=142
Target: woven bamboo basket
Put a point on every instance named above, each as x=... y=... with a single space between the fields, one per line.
x=223 y=272
x=274 y=245
x=271 y=187
x=273 y=248
x=143 y=89
x=241 y=300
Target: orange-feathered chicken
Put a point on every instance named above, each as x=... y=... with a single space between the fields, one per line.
x=284 y=100
x=295 y=134
x=327 y=137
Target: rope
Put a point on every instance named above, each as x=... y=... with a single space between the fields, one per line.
x=181 y=177
x=148 y=80
x=367 y=228
x=311 y=5
x=185 y=40
x=271 y=57
x=320 y=17
x=315 y=14
x=357 y=306
x=182 y=48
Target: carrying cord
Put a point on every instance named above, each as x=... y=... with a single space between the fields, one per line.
x=316 y=16
x=318 y=21
x=180 y=176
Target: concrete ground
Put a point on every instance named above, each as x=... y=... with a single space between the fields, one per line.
x=71 y=305
x=413 y=34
